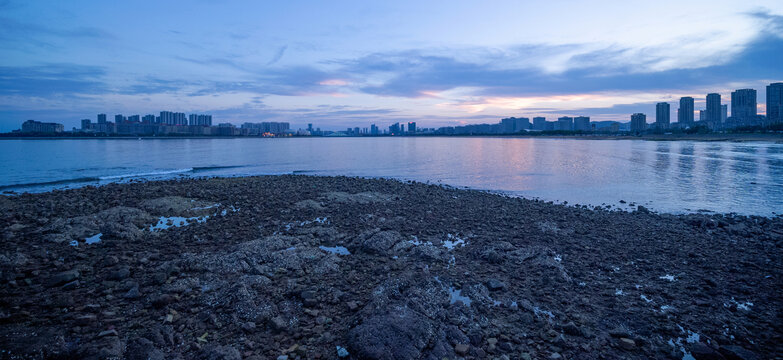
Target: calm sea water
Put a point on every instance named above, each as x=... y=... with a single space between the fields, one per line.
x=679 y=176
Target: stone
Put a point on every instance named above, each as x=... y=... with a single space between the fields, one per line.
x=342 y=352
x=627 y=343
x=143 y=349
x=381 y=242
x=133 y=293
x=62 y=278
x=218 y=352
x=120 y=274
x=555 y=356
x=733 y=352
x=352 y=305
x=70 y=286
x=282 y=357
x=402 y=334
x=110 y=332
x=571 y=329
x=461 y=349
x=495 y=285
x=278 y=324
x=701 y=351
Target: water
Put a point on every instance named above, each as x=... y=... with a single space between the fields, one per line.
x=669 y=176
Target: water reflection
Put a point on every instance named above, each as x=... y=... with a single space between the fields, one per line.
x=665 y=176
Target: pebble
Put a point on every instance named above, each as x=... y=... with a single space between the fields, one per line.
x=627 y=344
x=461 y=349
x=110 y=332
x=342 y=352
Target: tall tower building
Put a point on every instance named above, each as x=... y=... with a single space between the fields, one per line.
x=713 y=108
x=775 y=103
x=638 y=122
x=101 y=118
x=662 y=115
x=685 y=113
x=743 y=106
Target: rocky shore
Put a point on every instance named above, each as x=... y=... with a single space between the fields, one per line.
x=301 y=267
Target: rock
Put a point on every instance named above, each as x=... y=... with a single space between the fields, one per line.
x=282 y=357
x=571 y=329
x=733 y=352
x=62 y=278
x=133 y=293
x=555 y=356
x=278 y=324
x=143 y=349
x=342 y=352
x=85 y=319
x=402 y=334
x=162 y=300
x=120 y=274
x=71 y=285
x=701 y=351
x=380 y=242
x=218 y=352
x=110 y=332
x=461 y=349
x=352 y=305
x=495 y=285
x=627 y=343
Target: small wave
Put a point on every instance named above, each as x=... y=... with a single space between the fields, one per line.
x=154 y=173
x=207 y=168
x=49 y=183
x=302 y=172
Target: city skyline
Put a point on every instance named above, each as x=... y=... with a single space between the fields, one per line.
x=353 y=63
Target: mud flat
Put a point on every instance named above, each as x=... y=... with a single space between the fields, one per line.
x=287 y=267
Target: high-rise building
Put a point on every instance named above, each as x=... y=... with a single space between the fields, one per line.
x=412 y=128
x=775 y=103
x=101 y=118
x=394 y=129
x=685 y=112
x=724 y=113
x=86 y=124
x=148 y=119
x=743 y=106
x=119 y=119
x=310 y=128
x=638 y=122
x=713 y=110
x=539 y=123
x=192 y=119
x=565 y=123
x=582 y=123
x=702 y=115
x=373 y=129
x=662 y=115
x=134 y=118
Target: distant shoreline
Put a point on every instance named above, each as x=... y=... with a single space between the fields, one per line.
x=750 y=137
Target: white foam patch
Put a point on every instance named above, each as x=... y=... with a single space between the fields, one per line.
x=667 y=277
x=94 y=239
x=453 y=241
x=339 y=250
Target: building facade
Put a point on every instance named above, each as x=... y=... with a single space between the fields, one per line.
x=713 y=110
x=662 y=115
x=32 y=126
x=775 y=103
x=638 y=122
x=685 y=112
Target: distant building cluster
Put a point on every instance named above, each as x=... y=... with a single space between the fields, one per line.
x=32 y=126
x=715 y=117
x=177 y=123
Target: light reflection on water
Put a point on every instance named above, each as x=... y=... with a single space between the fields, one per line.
x=671 y=176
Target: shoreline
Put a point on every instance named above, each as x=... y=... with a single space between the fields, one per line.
x=750 y=137
x=303 y=266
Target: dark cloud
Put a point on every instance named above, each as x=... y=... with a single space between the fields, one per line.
x=278 y=55
x=52 y=79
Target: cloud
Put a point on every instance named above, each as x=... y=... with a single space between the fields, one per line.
x=278 y=55
x=52 y=79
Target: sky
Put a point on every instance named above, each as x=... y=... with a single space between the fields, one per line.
x=339 y=64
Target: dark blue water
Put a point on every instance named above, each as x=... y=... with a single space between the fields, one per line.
x=676 y=176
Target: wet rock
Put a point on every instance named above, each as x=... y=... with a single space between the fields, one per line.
x=143 y=349
x=342 y=352
x=110 y=332
x=461 y=349
x=121 y=273
x=571 y=329
x=402 y=334
x=380 y=242
x=733 y=352
x=278 y=324
x=133 y=293
x=495 y=285
x=62 y=278
x=219 y=352
x=701 y=351
x=627 y=343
